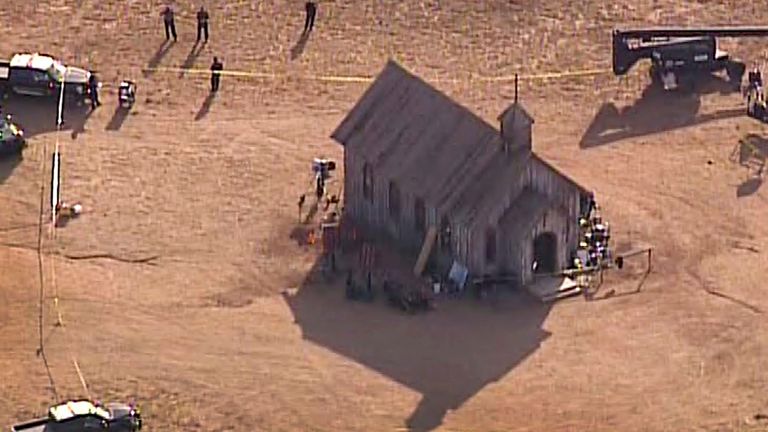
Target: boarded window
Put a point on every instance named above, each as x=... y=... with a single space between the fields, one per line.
x=394 y=200
x=420 y=215
x=367 y=182
x=490 y=246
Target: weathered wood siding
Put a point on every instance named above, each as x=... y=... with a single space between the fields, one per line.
x=459 y=247
x=355 y=204
x=403 y=228
x=562 y=193
x=370 y=214
x=375 y=215
x=468 y=242
x=509 y=253
x=553 y=222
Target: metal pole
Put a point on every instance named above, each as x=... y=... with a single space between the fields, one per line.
x=516 y=88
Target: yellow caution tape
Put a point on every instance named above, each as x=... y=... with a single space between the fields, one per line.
x=366 y=79
x=549 y=75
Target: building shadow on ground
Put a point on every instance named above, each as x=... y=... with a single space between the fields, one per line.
x=447 y=355
x=654 y=112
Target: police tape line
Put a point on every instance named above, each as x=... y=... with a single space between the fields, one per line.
x=367 y=79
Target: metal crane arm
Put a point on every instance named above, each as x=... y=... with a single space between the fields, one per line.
x=672 y=32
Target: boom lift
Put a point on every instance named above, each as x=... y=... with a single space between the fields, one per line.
x=680 y=56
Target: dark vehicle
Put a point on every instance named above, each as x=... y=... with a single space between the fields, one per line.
x=42 y=76
x=126 y=93
x=12 y=141
x=679 y=57
x=83 y=415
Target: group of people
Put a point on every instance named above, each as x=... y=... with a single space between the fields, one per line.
x=169 y=21
x=594 y=248
x=203 y=17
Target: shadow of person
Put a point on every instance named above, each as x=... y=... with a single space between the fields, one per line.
x=194 y=53
x=79 y=126
x=118 y=118
x=206 y=106
x=162 y=50
x=448 y=355
x=298 y=49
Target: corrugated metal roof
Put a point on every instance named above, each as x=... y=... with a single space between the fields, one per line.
x=433 y=147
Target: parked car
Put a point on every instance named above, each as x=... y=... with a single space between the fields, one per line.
x=12 y=141
x=42 y=76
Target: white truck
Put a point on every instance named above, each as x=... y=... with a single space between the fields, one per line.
x=33 y=74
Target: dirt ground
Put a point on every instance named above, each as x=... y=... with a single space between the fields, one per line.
x=203 y=338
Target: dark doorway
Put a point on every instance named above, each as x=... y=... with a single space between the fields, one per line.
x=545 y=253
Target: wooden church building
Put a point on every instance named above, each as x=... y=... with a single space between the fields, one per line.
x=414 y=158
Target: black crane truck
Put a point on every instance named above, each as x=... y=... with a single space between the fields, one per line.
x=680 y=57
x=83 y=415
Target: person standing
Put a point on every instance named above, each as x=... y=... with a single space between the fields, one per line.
x=170 y=23
x=309 y=22
x=93 y=90
x=216 y=69
x=202 y=23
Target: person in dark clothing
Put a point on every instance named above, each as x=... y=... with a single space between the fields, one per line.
x=758 y=78
x=202 y=23
x=170 y=23
x=319 y=187
x=93 y=91
x=216 y=69
x=309 y=22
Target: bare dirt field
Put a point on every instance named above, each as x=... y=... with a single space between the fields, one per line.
x=202 y=336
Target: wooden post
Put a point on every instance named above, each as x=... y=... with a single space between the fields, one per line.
x=649 y=259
